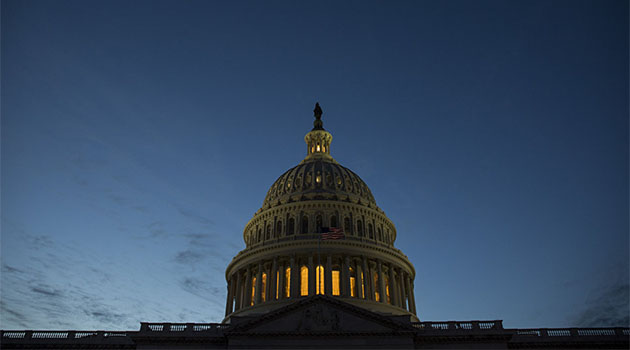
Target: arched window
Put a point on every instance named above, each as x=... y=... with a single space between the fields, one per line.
x=263 y=290
x=380 y=235
x=287 y=282
x=318 y=223
x=347 y=225
x=333 y=221
x=319 y=280
x=336 y=290
x=278 y=228
x=258 y=236
x=370 y=231
x=253 y=291
x=304 y=224
x=291 y=227
x=386 y=279
x=353 y=283
x=268 y=235
x=360 y=228
x=304 y=281
x=377 y=295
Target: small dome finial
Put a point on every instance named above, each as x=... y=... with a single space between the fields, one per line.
x=318 y=124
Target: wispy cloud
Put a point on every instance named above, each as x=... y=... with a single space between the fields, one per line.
x=610 y=308
x=188 y=257
x=190 y=214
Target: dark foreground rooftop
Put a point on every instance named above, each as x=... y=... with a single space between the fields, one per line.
x=322 y=322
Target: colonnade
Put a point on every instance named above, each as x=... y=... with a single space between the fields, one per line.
x=288 y=277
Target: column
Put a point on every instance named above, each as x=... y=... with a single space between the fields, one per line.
x=281 y=271
x=258 y=290
x=412 y=299
x=228 y=303
x=273 y=278
x=294 y=278
x=381 y=281
x=268 y=283
x=402 y=292
x=328 y=276
x=239 y=290
x=346 y=276
x=311 y=276
x=393 y=288
x=247 y=293
x=370 y=279
x=360 y=282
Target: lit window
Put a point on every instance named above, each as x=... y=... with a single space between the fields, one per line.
x=377 y=295
x=253 y=291
x=287 y=281
x=318 y=149
x=304 y=281
x=353 y=285
x=319 y=283
x=362 y=286
x=277 y=286
x=389 y=301
x=263 y=291
x=335 y=283
x=318 y=178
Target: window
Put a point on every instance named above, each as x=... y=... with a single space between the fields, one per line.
x=291 y=227
x=319 y=280
x=389 y=301
x=347 y=225
x=268 y=235
x=304 y=224
x=253 y=291
x=360 y=228
x=335 y=283
x=333 y=221
x=362 y=286
x=304 y=281
x=287 y=282
x=263 y=288
x=278 y=228
x=380 y=235
x=377 y=295
x=370 y=231
x=353 y=283
x=318 y=223
x=277 y=286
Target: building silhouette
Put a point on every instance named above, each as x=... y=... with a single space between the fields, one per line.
x=320 y=270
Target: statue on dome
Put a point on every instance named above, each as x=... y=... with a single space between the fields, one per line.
x=317 y=111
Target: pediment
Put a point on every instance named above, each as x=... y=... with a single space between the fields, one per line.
x=320 y=314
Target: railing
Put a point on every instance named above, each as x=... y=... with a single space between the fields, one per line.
x=60 y=334
x=146 y=327
x=573 y=332
x=457 y=325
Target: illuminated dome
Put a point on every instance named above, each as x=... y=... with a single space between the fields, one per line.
x=319 y=179
x=319 y=231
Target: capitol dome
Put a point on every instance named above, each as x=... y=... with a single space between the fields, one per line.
x=319 y=231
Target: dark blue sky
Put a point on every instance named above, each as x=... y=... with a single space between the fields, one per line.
x=139 y=137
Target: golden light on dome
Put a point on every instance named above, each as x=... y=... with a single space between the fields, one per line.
x=315 y=196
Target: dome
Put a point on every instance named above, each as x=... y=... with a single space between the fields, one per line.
x=319 y=231
x=319 y=179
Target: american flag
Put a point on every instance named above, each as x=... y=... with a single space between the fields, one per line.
x=334 y=233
